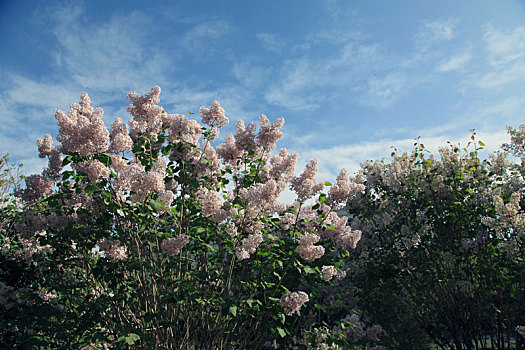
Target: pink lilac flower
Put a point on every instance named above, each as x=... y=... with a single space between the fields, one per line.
x=47 y=297
x=348 y=239
x=208 y=163
x=146 y=113
x=120 y=139
x=342 y=190
x=113 y=250
x=249 y=246
x=341 y=274
x=167 y=198
x=54 y=165
x=292 y=302
x=214 y=116
x=37 y=186
x=231 y=229
x=211 y=203
x=245 y=137
x=517 y=141
x=356 y=331
x=118 y=163
x=305 y=185
x=287 y=220
x=160 y=166
x=93 y=168
x=283 y=165
x=31 y=247
x=328 y=272
x=269 y=134
x=182 y=129
x=173 y=246
x=259 y=198
x=82 y=130
x=306 y=248
x=45 y=146
x=145 y=183
x=228 y=150
x=129 y=174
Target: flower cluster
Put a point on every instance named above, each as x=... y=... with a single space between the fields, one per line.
x=306 y=248
x=173 y=246
x=146 y=113
x=214 y=116
x=113 y=250
x=293 y=302
x=328 y=272
x=82 y=130
x=48 y=297
x=305 y=185
x=119 y=136
x=249 y=246
x=342 y=190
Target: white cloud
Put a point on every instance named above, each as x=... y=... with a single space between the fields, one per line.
x=504 y=47
x=509 y=106
x=502 y=76
x=199 y=36
x=429 y=35
x=249 y=74
x=298 y=76
x=21 y=90
x=506 y=58
x=455 y=63
x=271 y=42
x=384 y=91
x=437 y=30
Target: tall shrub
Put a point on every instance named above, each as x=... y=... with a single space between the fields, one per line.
x=146 y=236
x=431 y=268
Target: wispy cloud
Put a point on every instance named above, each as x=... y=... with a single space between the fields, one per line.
x=506 y=57
x=21 y=90
x=114 y=56
x=504 y=47
x=384 y=91
x=502 y=76
x=438 y=30
x=455 y=62
x=271 y=42
x=203 y=37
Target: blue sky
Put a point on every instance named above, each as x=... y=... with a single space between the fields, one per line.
x=351 y=78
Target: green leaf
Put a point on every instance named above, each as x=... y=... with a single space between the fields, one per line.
x=132 y=338
x=308 y=269
x=281 y=331
x=155 y=205
x=66 y=160
x=481 y=143
x=233 y=310
x=200 y=230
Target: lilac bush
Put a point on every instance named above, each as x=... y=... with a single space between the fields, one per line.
x=148 y=236
x=442 y=248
